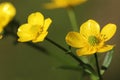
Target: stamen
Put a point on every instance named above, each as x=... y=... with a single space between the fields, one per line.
x=93 y=40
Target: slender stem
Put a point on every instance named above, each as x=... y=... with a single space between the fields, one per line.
x=85 y=66
x=98 y=68
x=72 y=18
x=65 y=50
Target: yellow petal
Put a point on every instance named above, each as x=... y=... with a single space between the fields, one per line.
x=4 y=20
x=36 y=19
x=63 y=3
x=105 y=48
x=74 y=39
x=56 y=4
x=76 y=2
x=82 y=51
x=40 y=38
x=7 y=9
x=86 y=51
x=89 y=28
x=47 y=23
x=108 y=31
x=26 y=32
x=1 y=29
x=7 y=12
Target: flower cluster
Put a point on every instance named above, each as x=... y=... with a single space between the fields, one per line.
x=89 y=40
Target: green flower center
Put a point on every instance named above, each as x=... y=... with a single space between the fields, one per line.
x=93 y=40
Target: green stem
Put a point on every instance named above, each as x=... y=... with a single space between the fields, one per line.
x=98 y=68
x=65 y=50
x=72 y=18
x=86 y=67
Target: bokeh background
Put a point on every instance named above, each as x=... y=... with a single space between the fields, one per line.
x=23 y=62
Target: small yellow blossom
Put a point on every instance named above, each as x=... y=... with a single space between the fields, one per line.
x=7 y=12
x=63 y=3
x=90 y=39
x=36 y=28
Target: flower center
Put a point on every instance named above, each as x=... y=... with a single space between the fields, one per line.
x=93 y=40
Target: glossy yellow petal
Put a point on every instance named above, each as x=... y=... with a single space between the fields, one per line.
x=108 y=31
x=60 y=3
x=47 y=23
x=90 y=28
x=36 y=19
x=26 y=32
x=7 y=9
x=74 y=39
x=63 y=3
x=56 y=4
x=86 y=51
x=4 y=20
x=76 y=2
x=105 y=48
x=82 y=51
x=1 y=29
x=7 y=12
x=40 y=37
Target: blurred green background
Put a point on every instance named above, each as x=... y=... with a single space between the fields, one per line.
x=22 y=62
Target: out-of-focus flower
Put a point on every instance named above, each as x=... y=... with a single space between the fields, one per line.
x=35 y=29
x=7 y=12
x=90 y=39
x=63 y=3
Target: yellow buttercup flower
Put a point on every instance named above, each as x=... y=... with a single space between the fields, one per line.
x=63 y=3
x=7 y=12
x=90 y=39
x=36 y=28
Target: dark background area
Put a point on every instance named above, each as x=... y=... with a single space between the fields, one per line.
x=22 y=62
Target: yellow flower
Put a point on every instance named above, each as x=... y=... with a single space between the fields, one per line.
x=7 y=12
x=35 y=29
x=90 y=39
x=63 y=3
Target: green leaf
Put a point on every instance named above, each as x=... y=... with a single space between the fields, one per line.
x=107 y=61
